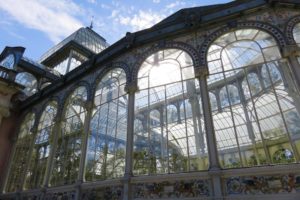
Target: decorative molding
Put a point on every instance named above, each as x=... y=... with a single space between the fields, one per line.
x=201 y=72
x=289 y=29
x=107 y=192
x=114 y=65
x=131 y=87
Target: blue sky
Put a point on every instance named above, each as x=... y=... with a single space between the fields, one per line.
x=40 y=24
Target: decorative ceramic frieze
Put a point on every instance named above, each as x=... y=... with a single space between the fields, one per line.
x=172 y=189
x=109 y=192
x=258 y=185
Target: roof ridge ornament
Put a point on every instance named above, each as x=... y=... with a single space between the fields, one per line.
x=92 y=22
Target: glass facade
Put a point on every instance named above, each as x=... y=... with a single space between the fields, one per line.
x=194 y=118
x=254 y=105
x=258 y=100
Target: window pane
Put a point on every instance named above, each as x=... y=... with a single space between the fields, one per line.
x=108 y=129
x=42 y=145
x=68 y=150
x=21 y=155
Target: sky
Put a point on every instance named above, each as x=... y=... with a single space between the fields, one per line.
x=38 y=25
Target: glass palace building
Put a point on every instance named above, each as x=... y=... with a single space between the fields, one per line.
x=203 y=105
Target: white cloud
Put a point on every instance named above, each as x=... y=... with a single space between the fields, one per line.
x=56 y=19
x=105 y=6
x=175 y=4
x=142 y=20
x=114 y=13
x=92 y=1
x=156 y=1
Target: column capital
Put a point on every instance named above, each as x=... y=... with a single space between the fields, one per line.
x=201 y=72
x=131 y=88
x=290 y=50
x=89 y=104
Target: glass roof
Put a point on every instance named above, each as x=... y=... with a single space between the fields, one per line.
x=85 y=37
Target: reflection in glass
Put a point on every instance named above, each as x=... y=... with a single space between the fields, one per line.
x=29 y=81
x=21 y=154
x=107 y=136
x=43 y=144
x=8 y=61
x=68 y=151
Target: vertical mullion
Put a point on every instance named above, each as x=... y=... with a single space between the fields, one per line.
x=258 y=123
x=185 y=123
x=167 y=131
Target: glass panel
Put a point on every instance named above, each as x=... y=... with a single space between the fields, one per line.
x=258 y=122
x=8 y=61
x=296 y=33
x=68 y=151
x=108 y=129
x=62 y=66
x=43 y=143
x=21 y=155
x=29 y=81
x=251 y=85
x=229 y=95
x=169 y=132
x=213 y=101
x=85 y=37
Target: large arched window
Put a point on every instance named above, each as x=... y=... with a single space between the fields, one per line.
x=253 y=123
x=108 y=133
x=176 y=142
x=41 y=149
x=68 y=150
x=21 y=155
